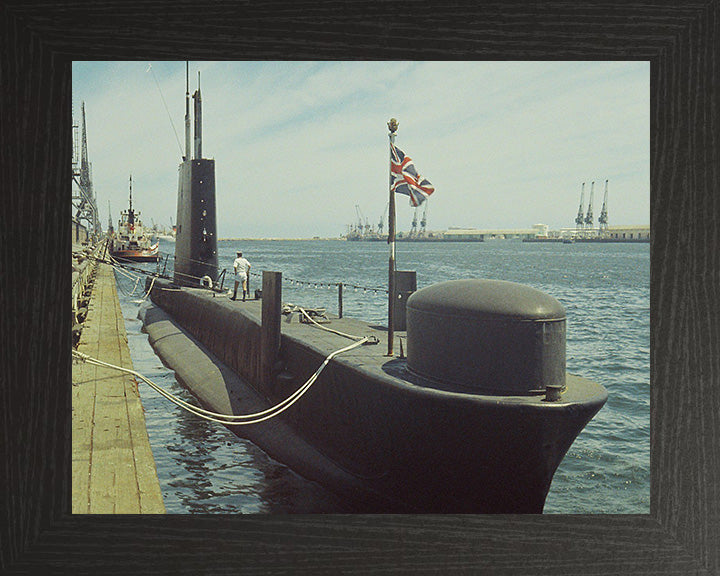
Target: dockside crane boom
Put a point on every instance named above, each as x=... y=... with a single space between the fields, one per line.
x=413 y=230
x=85 y=201
x=589 y=217
x=579 y=218
x=603 y=219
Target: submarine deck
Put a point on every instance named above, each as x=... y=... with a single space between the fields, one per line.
x=372 y=359
x=113 y=469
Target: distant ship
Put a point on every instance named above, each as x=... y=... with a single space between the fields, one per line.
x=132 y=241
x=167 y=235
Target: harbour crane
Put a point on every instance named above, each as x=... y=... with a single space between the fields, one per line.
x=382 y=218
x=579 y=218
x=589 y=216
x=360 y=219
x=603 y=219
x=423 y=222
x=413 y=230
x=84 y=199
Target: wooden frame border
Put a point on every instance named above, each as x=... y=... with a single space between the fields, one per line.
x=681 y=535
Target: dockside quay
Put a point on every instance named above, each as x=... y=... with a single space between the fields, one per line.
x=113 y=469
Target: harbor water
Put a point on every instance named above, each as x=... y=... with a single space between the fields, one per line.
x=605 y=288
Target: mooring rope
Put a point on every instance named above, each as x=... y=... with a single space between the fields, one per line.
x=146 y=293
x=123 y=272
x=118 y=266
x=296 y=308
x=227 y=419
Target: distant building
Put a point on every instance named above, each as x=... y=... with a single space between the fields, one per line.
x=619 y=233
x=543 y=232
x=469 y=234
x=628 y=232
x=80 y=232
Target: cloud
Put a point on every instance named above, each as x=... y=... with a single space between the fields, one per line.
x=298 y=144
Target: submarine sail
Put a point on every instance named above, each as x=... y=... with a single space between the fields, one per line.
x=196 y=239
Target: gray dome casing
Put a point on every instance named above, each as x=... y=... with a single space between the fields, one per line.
x=491 y=336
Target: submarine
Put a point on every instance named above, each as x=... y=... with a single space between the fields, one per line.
x=475 y=418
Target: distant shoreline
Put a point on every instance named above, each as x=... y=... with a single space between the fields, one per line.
x=278 y=239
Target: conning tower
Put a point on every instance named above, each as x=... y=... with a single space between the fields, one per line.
x=196 y=235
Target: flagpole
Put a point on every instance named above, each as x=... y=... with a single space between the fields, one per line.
x=392 y=126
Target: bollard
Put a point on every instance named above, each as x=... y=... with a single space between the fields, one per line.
x=270 y=323
x=340 y=301
x=553 y=392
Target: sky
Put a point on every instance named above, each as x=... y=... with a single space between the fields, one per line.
x=301 y=148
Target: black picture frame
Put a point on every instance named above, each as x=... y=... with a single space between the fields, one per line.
x=39 y=40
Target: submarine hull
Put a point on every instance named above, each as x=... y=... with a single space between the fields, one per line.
x=396 y=437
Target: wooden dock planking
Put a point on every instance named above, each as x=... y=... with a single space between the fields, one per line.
x=113 y=468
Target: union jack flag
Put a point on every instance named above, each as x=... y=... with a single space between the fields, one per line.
x=404 y=178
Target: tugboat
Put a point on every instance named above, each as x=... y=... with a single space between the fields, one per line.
x=132 y=242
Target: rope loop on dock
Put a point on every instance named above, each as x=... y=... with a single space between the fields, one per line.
x=227 y=419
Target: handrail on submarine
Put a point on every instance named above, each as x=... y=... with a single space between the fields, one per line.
x=218 y=286
x=375 y=290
